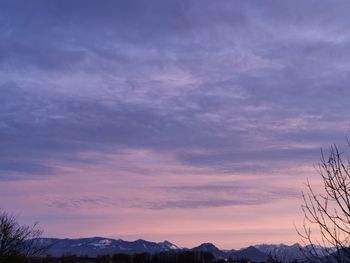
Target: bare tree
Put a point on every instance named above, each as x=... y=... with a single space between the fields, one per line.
x=327 y=214
x=18 y=242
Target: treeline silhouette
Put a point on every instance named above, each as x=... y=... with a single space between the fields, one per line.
x=162 y=257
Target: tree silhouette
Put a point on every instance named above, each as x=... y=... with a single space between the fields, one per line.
x=18 y=242
x=327 y=214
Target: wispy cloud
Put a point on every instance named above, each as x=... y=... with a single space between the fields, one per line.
x=228 y=195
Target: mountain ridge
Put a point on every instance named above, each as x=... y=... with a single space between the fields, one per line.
x=94 y=246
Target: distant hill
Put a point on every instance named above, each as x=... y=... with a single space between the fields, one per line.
x=286 y=253
x=106 y=246
x=282 y=251
x=209 y=247
x=251 y=253
x=103 y=246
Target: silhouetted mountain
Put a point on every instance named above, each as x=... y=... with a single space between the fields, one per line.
x=103 y=246
x=334 y=256
x=282 y=252
x=209 y=247
x=249 y=253
x=106 y=246
x=287 y=253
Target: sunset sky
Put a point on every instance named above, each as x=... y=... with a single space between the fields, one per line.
x=188 y=121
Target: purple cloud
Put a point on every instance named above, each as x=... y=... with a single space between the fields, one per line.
x=161 y=94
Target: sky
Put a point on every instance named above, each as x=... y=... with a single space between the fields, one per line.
x=188 y=121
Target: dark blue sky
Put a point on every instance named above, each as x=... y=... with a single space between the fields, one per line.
x=164 y=109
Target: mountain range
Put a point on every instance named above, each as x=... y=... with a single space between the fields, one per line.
x=106 y=246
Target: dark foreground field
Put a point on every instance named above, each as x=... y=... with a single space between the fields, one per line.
x=183 y=257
